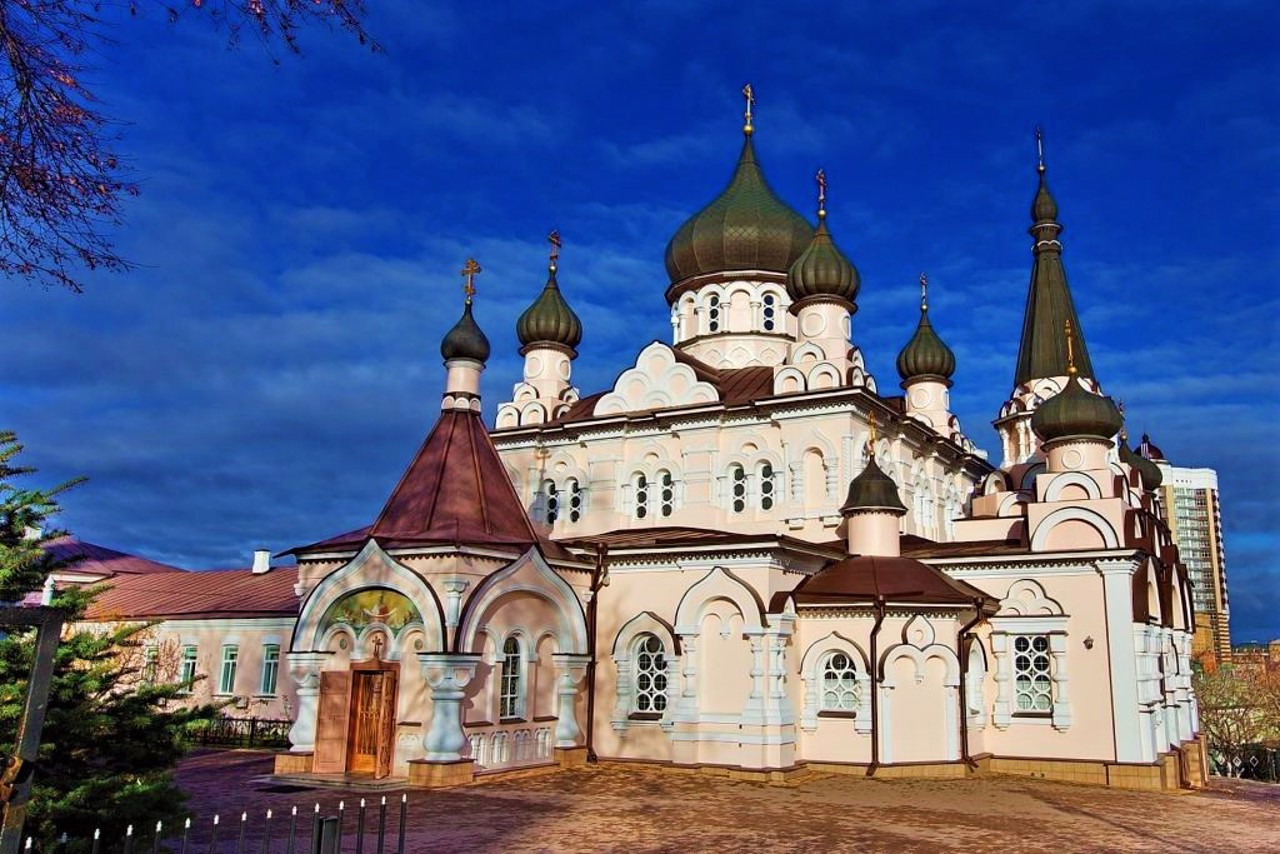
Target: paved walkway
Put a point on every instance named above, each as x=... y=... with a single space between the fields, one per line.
x=634 y=809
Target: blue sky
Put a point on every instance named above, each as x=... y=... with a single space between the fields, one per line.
x=266 y=373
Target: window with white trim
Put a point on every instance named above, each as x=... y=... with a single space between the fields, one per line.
x=270 y=668
x=765 y=471
x=150 y=663
x=575 y=500
x=713 y=313
x=770 y=311
x=227 y=673
x=1033 y=688
x=650 y=697
x=840 y=690
x=667 y=504
x=738 y=483
x=511 y=696
x=551 y=499
x=187 y=668
x=642 y=496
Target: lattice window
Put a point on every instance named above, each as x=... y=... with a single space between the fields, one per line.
x=575 y=500
x=270 y=668
x=227 y=674
x=713 y=313
x=651 y=676
x=1033 y=693
x=187 y=670
x=642 y=496
x=840 y=691
x=511 y=696
x=552 y=498
x=766 y=486
x=668 y=494
x=738 y=480
x=770 y=312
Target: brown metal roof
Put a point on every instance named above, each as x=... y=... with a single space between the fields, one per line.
x=198 y=595
x=89 y=559
x=674 y=536
x=893 y=580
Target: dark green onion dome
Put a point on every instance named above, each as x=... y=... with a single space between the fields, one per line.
x=926 y=356
x=747 y=227
x=549 y=320
x=465 y=340
x=822 y=271
x=1148 y=472
x=1076 y=412
x=872 y=489
x=1044 y=208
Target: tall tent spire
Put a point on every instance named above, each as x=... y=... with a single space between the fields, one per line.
x=1042 y=352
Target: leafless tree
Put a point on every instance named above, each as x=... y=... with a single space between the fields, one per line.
x=62 y=184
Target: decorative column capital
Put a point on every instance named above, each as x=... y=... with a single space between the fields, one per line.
x=305 y=668
x=571 y=664
x=1116 y=566
x=448 y=672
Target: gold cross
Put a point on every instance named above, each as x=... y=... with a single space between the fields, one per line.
x=750 y=95
x=469 y=272
x=924 y=292
x=1071 y=357
x=554 y=239
x=822 y=192
x=871 y=433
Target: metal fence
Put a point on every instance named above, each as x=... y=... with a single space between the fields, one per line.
x=245 y=732
x=1253 y=762
x=374 y=829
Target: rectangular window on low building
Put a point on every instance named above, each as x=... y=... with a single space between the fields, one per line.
x=150 y=663
x=227 y=675
x=187 y=670
x=270 y=668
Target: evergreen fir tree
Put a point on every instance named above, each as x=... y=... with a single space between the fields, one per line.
x=111 y=736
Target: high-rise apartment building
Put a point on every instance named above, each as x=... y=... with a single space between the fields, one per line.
x=1194 y=513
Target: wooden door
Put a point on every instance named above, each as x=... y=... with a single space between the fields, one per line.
x=386 y=726
x=366 y=708
x=331 y=722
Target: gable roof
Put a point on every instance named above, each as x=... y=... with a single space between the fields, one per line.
x=894 y=580
x=198 y=595
x=84 y=558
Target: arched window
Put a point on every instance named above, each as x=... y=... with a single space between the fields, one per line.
x=552 y=499
x=738 y=483
x=770 y=311
x=642 y=496
x=575 y=500
x=651 y=676
x=713 y=313
x=766 y=486
x=839 y=684
x=511 y=697
x=668 y=494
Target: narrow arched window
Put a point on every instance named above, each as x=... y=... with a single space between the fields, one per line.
x=713 y=313
x=511 y=699
x=738 y=485
x=642 y=496
x=575 y=500
x=651 y=676
x=770 y=310
x=668 y=494
x=839 y=684
x=552 y=499
x=766 y=486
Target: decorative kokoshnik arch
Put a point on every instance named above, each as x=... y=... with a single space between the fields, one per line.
x=528 y=574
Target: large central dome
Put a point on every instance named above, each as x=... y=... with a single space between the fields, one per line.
x=747 y=227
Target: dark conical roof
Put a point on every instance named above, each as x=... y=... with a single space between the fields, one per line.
x=1049 y=305
x=1075 y=411
x=822 y=270
x=925 y=354
x=747 y=227
x=872 y=489
x=549 y=320
x=1148 y=472
x=465 y=340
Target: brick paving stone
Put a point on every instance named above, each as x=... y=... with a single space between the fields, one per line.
x=642 y=809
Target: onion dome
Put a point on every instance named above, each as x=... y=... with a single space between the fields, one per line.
x=747 y=227
x=1149 y=450
x=1044 y=208
x=1075 y=411
x=549 y=320
x=925 y=356
x=465 y=340
x=1148 y=472
x=822 y=271
x=872 y=489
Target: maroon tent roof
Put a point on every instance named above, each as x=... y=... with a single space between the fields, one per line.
x=197 y=595
x=894 y=580
x=91 y=559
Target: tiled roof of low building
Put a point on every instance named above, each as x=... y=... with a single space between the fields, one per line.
x=893 y=580
x=199 y=595
x=91 y=559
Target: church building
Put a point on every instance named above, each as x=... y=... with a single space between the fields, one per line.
x=748 y=556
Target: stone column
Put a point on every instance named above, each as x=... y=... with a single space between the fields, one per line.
x=570 y=669
x=688 y=710
x=447 y=675
x=305 y=669
x=1117 y=586
x=1061 y=697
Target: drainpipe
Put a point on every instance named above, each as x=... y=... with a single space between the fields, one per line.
x=963 y=649
x=597 y=579
x=877 y=678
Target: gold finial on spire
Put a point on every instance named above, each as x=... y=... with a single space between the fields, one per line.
x=924 y=292
x=1039 y=150
x=469 y=272
x=1071 y=353
x=821 y=178
x=750 y=95
x=554 y=239
x=871 y=434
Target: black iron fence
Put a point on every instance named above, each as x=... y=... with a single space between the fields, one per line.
x=1252 y=762
x=376 y=828
x=244 y=732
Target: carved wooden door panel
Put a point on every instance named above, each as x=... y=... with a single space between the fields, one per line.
x=366 y=711
x=331 y=722
x=386 y=726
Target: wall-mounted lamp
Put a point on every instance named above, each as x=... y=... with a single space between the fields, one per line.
x=1088 y=642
